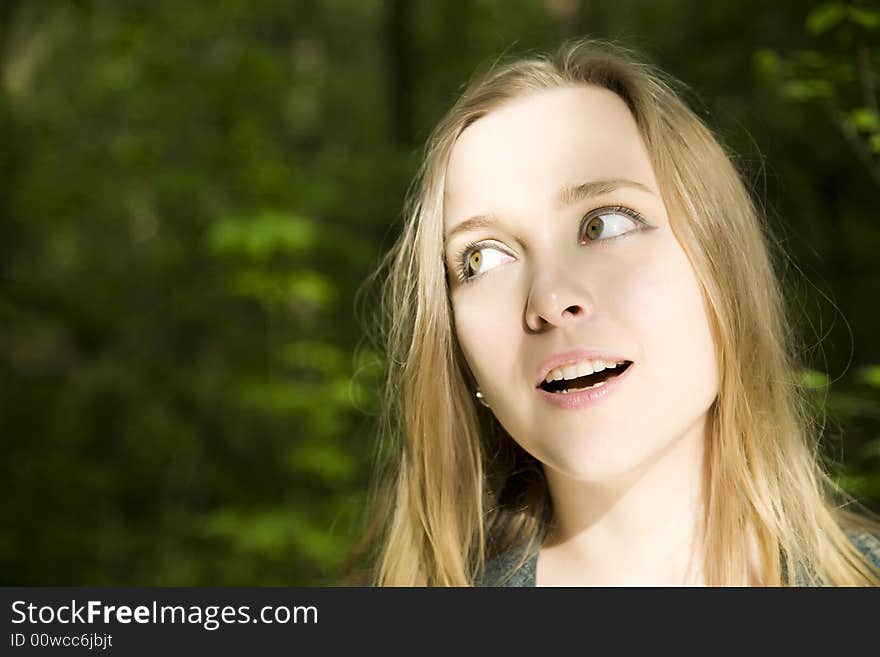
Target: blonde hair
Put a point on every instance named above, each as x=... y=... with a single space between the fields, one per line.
x=453 y=489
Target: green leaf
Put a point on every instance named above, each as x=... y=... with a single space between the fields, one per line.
x=262 y=236
x=860 y=485
x=277 y=396
x=273 y=531
x=825 y=17
x=303 y=289
x=867 y=18
x=865 y=120
x=807 y=89
x=768 y=65
x=809 y=60
x=280 y=396
x=314 y=356
x=813 y=379
x=874 y=141
x=869 y=375
x=327 y=461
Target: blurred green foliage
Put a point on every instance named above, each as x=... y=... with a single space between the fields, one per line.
x=191 y=195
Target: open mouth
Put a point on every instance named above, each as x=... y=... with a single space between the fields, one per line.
x=594 y=380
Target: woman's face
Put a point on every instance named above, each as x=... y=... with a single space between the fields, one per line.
x=541 y=283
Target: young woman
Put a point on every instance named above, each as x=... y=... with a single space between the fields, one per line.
x=590 y=374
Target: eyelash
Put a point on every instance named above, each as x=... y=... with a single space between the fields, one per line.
x=466 y=251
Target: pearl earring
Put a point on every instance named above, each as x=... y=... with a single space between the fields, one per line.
x=479 y=395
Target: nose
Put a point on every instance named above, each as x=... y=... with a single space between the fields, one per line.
x=556 y=299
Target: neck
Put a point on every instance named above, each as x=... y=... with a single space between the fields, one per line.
x=641 y=528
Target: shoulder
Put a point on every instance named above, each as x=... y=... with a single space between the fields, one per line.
x=516 y=567
x=867 y=543
x=513 y=568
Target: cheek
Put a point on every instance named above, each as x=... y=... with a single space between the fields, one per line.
x=665 y=302
x=487 y=325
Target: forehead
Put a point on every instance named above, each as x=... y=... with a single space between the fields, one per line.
x=521 y=153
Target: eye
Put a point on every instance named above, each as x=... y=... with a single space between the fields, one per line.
x=477 y=259
x=606 y=223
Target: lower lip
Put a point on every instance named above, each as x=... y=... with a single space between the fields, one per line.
x=588 y=396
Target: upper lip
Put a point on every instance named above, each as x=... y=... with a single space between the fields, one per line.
x=572 y=357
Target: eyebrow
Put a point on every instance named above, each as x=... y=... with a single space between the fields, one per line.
x=566 y=196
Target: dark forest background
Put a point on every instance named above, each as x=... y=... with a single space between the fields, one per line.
x=191 y=194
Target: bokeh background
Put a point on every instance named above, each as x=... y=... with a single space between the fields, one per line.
x=192 y=193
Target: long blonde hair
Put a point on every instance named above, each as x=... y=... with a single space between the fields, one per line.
x=453 y=489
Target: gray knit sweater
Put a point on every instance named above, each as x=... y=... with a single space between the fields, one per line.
x=506 y=569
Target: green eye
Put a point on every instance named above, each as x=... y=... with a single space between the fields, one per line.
x=474 y=262
x=593 y=229
x=477 y=259
x=607 y=223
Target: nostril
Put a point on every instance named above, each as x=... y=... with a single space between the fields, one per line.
x=574 y=310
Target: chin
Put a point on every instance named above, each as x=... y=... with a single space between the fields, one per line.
x=597 y=473
x=597 y=464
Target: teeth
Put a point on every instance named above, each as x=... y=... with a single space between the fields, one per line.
x=580 y=368
x=595 y=385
